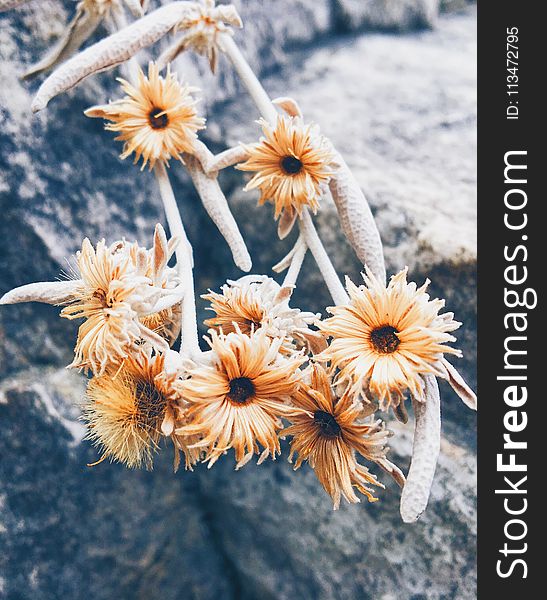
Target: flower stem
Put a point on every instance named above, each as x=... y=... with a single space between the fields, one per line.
x=249 y=79
x=268 y=111
x=189 y=329
x=297 y=259
x=324 y=263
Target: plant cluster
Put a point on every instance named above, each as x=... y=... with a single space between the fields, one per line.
x=270 y=370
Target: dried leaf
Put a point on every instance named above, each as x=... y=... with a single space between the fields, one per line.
x=112 y=50
x=216 y=205
x=78 y=31
x=356 y=219
x=425 y=452
x=48 y=292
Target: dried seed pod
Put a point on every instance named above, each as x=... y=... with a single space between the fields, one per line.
x=112 y=51
x=48 y=292
x=356 y=219
x=216 y=205
x=427 y=441
x=78 y=30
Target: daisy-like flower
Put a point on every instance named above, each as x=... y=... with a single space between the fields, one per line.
x=157 y=119
x=201 y=29
x=386 y=339
x=329 y=432
x=128 y=412
x=106 y=299
x=290 y=163
x=237 y=400
x=258 y=302
x=122 y=291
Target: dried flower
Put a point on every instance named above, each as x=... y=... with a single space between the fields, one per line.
x=291 y=163
x=128 y=411
x=201 y=29
x=157 y=119
x=328 y=433
x=258 y=302
x=238 y=399
x=386 y=339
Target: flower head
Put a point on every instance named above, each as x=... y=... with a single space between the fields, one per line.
x=258 y=302
x=385 y=339
x=157 y=118
x=128 y=411
x=237 y=400
x=201 y=29
x=329 y=432
x=290 y=164
x=116 y=293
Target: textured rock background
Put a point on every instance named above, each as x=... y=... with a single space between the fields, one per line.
x=393 y=84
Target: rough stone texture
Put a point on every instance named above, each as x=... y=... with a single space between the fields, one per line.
x=401 y=109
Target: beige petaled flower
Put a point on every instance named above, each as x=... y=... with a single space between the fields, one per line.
x=157 y=119
x=128 y=411
x=153 y=265
x=329 y=432
x=113 y=294
x=258 y=302
x=237 y=400
x=386 y=339
x=291 y=163
x=201 y=30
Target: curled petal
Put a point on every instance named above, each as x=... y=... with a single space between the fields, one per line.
x=356 y=219
x=112 y=50
x=425 y=452
x=456 y=381
x=79 y=30
x=216 y=205
x=286 y=222
x=48 y=292
x=289 y=106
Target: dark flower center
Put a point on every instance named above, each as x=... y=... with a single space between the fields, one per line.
x=327 y=424
x=151 y=403
x=291 y=165
x=158 y=119
x=241 y=389
x=384 y=339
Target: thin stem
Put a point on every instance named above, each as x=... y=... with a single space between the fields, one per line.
x=268 y=111
x=324 y=264
x=297 y=259
x=189 y=330
x=249 y=79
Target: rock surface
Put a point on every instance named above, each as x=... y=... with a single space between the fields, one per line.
x=401 y=109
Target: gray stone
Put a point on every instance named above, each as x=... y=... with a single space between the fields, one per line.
x=401 y=109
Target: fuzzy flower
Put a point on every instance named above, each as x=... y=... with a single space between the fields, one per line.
x=152 y=264
x=201 y=29
x=329 y=432
x=157 y=118
x=386 y=339
x=237 y=400
x=290 y=164
x=128 y=412
x=258 y=302
x=118 y=290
